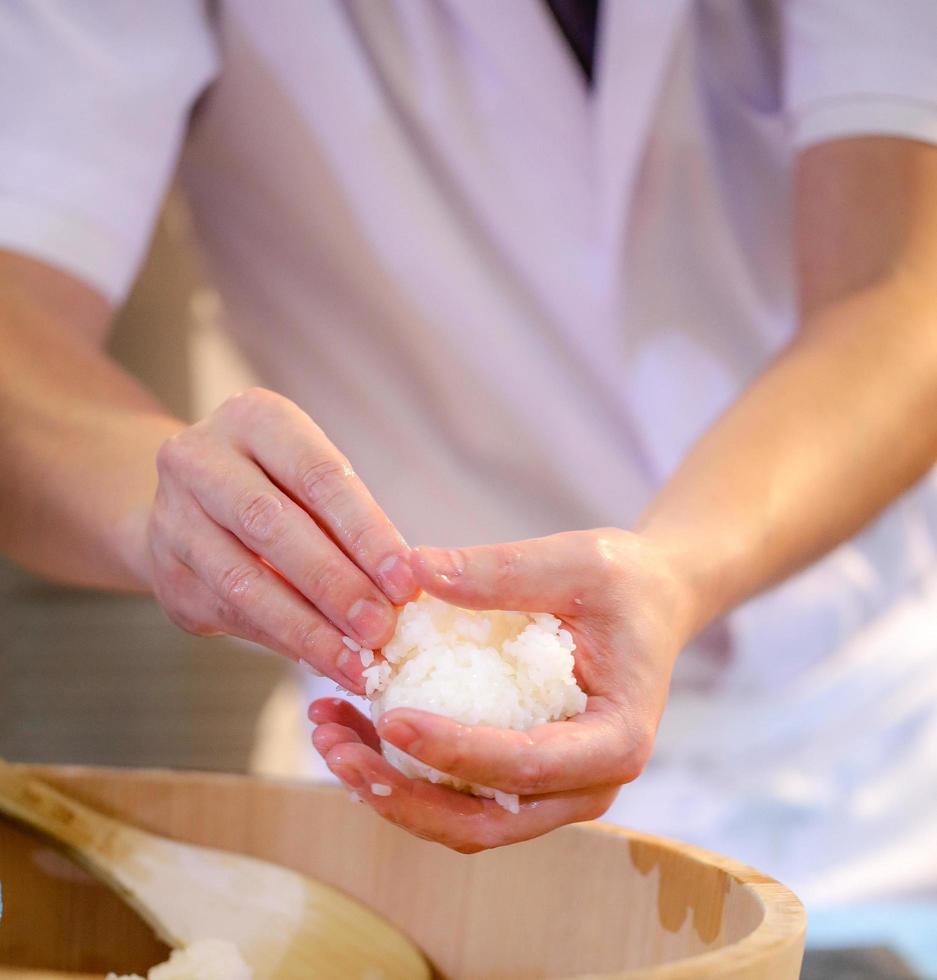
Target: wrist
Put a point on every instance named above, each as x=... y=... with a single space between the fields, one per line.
x=692 y=585
x=131 y=530
x=132 y=547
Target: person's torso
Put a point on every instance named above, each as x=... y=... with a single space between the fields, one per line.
x=476 y=272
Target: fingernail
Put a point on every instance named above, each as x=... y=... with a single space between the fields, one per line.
x=445 y=563
x=396 y=578
x=401 y=734
x=350 y=666
x=370 y=621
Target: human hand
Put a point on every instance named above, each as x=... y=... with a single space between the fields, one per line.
x=261 y=529
x=630 y=614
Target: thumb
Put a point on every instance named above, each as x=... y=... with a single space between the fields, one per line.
x=538 y=575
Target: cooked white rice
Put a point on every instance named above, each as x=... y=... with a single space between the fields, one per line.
x=207 y=959
x=507 y=669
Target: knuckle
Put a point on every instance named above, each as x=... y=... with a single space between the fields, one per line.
x=178 y=593
x=174 y=454
x=628 y=771
x=308 y=638
x=634 y=761
x=605 y=560
x=532 y=773
x=322 y=479
x=327 y=578
x=260 y=515
x=358 y=539
x=249 y=403
x=185 y=621
x=177 y=617
x=236 y=582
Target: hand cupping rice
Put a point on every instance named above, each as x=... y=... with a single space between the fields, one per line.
x=506 y=669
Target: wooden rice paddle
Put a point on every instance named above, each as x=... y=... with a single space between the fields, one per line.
x=286 y=926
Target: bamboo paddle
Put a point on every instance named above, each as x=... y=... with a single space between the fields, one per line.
x=286 y=926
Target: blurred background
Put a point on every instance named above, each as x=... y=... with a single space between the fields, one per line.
x=89 y=677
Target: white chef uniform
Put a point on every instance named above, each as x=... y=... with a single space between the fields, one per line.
x=514 y=302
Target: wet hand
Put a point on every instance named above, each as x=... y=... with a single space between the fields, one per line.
x=630 y=614
x=261 y=529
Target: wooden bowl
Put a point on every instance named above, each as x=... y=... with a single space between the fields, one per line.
x=585 y=900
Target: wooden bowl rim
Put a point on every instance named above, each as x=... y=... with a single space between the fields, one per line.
x=784 y=920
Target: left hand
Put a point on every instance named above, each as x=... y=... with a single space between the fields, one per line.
x=630 y=614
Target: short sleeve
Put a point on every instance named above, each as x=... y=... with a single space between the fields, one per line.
x=860 y=67
x=94 y=100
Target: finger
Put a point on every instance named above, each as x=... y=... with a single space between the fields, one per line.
x=326 y=737
x=188 y=603
x=250 y=597
x=303 y=461
x=269 y=524
x=192 y=606
x=341 y=712
x=458 y=820
x=591 y=749
x=538 y=575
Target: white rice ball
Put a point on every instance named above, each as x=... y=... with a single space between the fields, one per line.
x=207 y=959
x=506 y=669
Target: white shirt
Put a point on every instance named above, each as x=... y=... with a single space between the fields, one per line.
x=515 y=304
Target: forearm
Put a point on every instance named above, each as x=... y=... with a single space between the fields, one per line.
x=839 y=425
x=78 y=439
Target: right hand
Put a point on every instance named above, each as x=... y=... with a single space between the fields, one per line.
x=261 y=529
